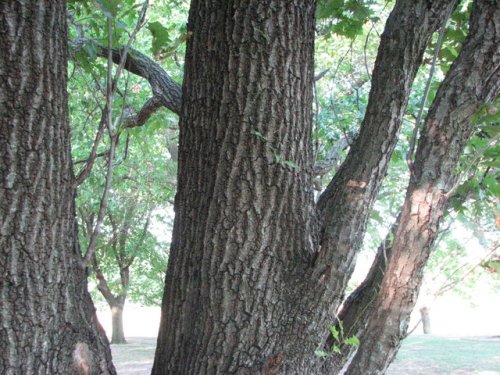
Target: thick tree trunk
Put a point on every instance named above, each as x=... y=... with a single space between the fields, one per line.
x=243 y=231
x=47 y=323
x=118 y=335
x=473 y=79
x=246 y=290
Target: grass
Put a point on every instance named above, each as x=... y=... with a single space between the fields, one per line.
x=419 y=355
x=427 y=354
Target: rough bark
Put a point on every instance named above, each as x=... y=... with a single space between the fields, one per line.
x=166 y=91
x=358 y=306
x=243 y=231
x=47 y=323
x=345 y=204
x=473 y=79
x=246 y=290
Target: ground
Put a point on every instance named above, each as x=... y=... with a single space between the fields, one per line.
x=419 y=355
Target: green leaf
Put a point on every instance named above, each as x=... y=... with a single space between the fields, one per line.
x=335 y=332
x=259 y=135
x=160 y=36
x=375 y=215
x=328 y=8
x=494 y=163
x=492 y=130
x=109 y=7
x=353 y=341
x=321 y=353
x=290 y=164
x=335 y=349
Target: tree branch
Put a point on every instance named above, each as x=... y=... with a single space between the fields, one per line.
x=163 y=86
x=89 y=163
x=344 y=205
x=413 y=140
x=102 y=283
x=140 y=118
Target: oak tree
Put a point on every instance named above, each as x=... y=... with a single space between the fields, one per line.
x=48 y=323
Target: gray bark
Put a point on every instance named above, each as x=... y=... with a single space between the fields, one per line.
x=47 y=323
x=243 y=233
x=426 y=320
x=473 y=79
x=252 y=285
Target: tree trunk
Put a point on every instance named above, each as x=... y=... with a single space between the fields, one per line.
x=243 y=232
x=248 y=290
x=345 y=204
x=47 y=323
x=473 y=79
x=358 y=306
x=426 y=320
x=116 y=303
x=118 y=336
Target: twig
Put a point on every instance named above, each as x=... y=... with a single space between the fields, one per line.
x=85 y=172
x=99 y=155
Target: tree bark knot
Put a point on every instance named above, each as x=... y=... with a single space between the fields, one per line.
x=272 y=364
x=82 y=359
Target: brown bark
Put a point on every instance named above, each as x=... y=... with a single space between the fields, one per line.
x=116 y=303
x=358 y=306
x=48 y=322
x=118 y=335
x=426 y=320
x=473 y=79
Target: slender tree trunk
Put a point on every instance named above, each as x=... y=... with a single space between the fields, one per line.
x=116 y=303
x=118 y=335
x=426 y=320
x=252 y=284
x=473 y=79
x=345 y=204
x=47 y=320
x=358 y=306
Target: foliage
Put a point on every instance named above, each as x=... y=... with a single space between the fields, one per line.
x=339 y=340
x=143 y=182
x=341 y=96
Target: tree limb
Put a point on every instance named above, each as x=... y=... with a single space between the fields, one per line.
x=138 y=119
x=102 y=283
x=164 y=87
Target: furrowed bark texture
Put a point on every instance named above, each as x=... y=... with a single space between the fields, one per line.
x=246 y=290
x=345 y=204
x=473 y=79
x=47 y=319
x=244 y=228
x=358 y=306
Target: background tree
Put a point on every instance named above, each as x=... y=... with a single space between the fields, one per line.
x=127 y=169
x=48 y=323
